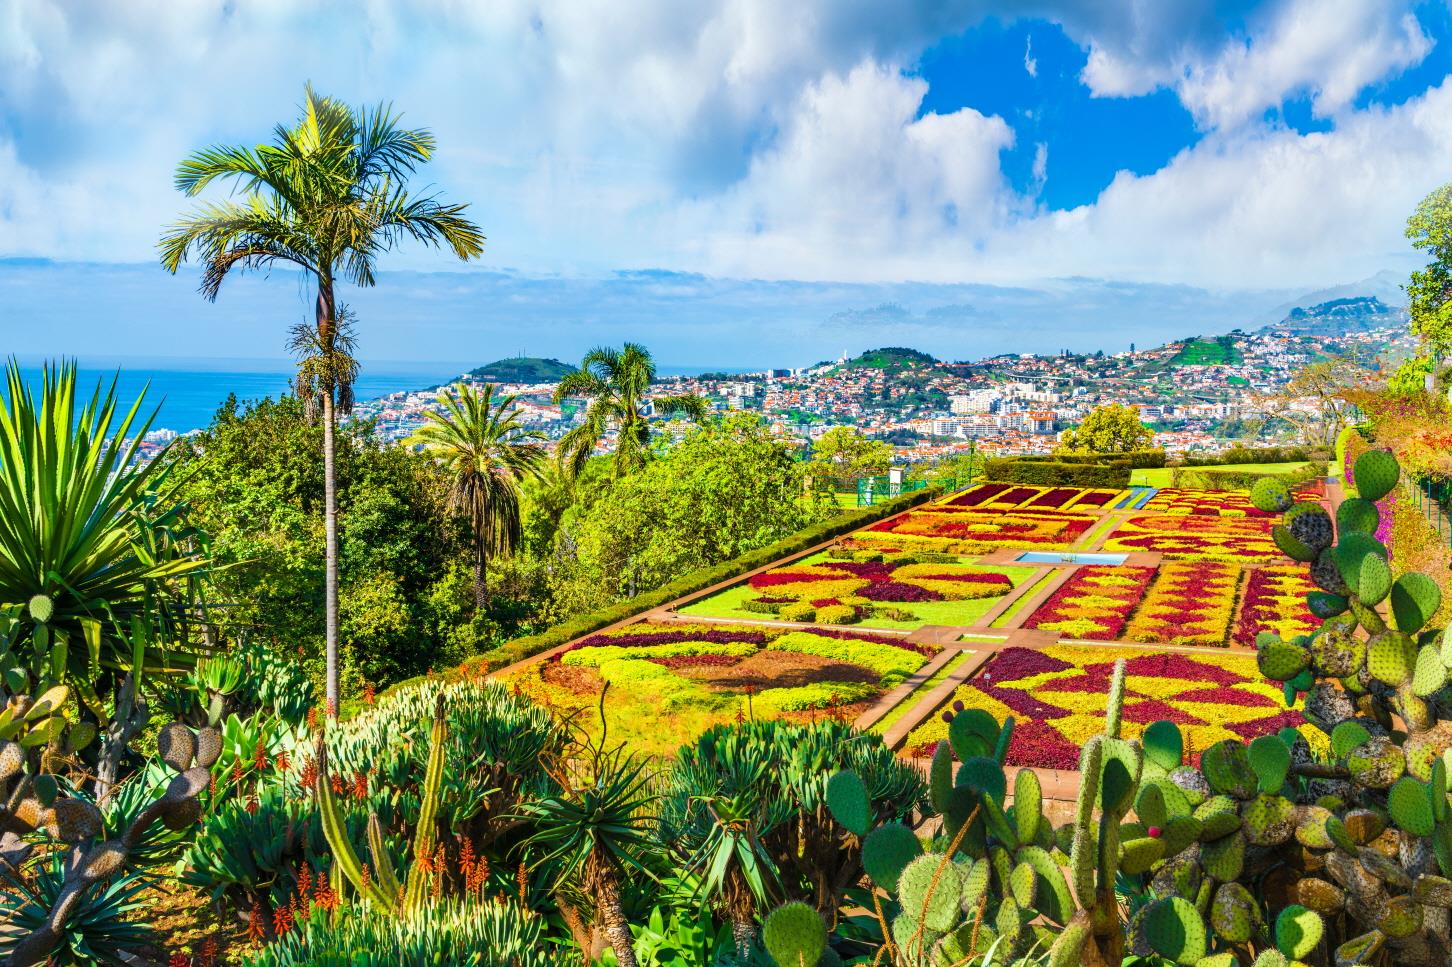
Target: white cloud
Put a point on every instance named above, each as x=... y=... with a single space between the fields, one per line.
x=1029 y=64
x=740 y=136
x=1330 y=51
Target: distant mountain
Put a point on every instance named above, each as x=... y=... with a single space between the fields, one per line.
x=893 y=359
x=1339 y=317
x=521 y=369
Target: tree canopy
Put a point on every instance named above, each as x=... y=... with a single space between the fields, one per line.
x=1112 y=428
x=843 y=455
x=1429 y=291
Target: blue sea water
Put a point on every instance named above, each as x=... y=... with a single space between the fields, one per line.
x=189 y=391
x=188 y=396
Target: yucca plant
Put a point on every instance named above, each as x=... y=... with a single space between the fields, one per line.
x=98 y=929
x=92 y=541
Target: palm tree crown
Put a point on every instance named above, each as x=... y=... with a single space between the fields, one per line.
x=615 y=382
x=488 y=451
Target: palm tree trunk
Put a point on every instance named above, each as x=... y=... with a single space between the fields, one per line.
x=326 y=323
x=612 y=915
x=481 y=574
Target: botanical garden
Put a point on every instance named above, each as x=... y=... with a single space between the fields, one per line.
x=284 y=694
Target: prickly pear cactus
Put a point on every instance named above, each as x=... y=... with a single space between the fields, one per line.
x=1372 y=825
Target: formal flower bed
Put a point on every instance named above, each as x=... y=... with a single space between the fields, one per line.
x=901 y=580
x=1234 y=540
x=1212 y=503
x=1188 y=603
x=1057 y=698
x=668 y=682
x=1094 y=603
x=1001 y=497
x=1275 y=600
x=955 y=531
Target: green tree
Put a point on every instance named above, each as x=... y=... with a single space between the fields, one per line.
x=842 y=456
x=1429 y=291
x=328 y=196
x=726 y=488
x=1113 y=428
x=614 y=383
x=488 y=452
x=405 y=600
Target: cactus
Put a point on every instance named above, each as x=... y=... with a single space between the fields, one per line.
x=1271 y=496
x=847 y=799
x=794 y=935
x=1311 y=525
x=1375 y=472
x=1415 y=598
x=1271 y=760
x=382 y=887
x=1174 y=929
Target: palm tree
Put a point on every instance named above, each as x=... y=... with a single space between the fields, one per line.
x=615 y=382
x=488 y=451
x=329 y=196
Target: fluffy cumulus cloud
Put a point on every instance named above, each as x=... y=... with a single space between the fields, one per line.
x=742 y=137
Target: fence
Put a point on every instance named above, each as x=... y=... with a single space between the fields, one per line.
x=1431 y=497
x=873 y=489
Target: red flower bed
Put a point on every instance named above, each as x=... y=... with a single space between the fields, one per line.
x=1057 y=497
x=1040 y=746
x=1096 y=499
x=1275 y=600
x=689 y=661
x=979 y=495
x=1015 y=663
x=893 y=640
x=898 y=592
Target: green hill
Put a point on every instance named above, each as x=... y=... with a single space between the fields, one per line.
x=522 y=369
x=1215 y=351
x=894 y=359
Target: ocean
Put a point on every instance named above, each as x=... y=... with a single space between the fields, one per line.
x=189 y=396
x=190 y=391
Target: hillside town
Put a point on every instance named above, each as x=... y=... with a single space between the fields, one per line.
x=1196 y=393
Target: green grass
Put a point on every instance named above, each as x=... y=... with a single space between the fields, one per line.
x=727 y=604
x=1161 y=476
x=1023 y=598
x=1220 y=351
x=917 y=694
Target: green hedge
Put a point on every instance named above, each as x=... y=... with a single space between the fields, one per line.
x=1190 y=478
x=522 y=648
x=1137 y=459
x=1255 y=455
x=1056 y=473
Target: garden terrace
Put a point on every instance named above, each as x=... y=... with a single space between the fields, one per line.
x=890 y=624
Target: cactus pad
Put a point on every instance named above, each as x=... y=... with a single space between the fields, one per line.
x=940 y=777
x=1325 y=575
x=1324 y=605
x=1027 y=801
x=1347 y=736
x=1219 y=816
x=1280 y=660
x=1224 y=858
x=973 y=732
x=1021 y=884
x=1138 y=855
x=1357 y=515
x=848 y=803
x=1234 y=913
x=1403 y=917
x=1415 y=598
x=1163 y=744
x=1268 y=820
x=1227 y=765
x=1411 y=807
x=1174 y=930
x=1429 y=674
x=887 y=850
x=1376 y=763
x=1390 y=657
x=41 y=608
x=1271 y=496
x=929 y=891
x=1290 y=546
x=984 y=775
x=177 y=745
x=1271 y=760
x=1311 y=525
x=1373 y=580
x=1349 y=553
x=1053 y=897
x=1336 y=653
x=1298 y=931
x=1375 y=472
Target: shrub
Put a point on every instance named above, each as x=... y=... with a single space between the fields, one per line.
x=894 y=614
x=757 y=606
x=1197 y=479
x=801 y=611
x=803 y=698
x=837 y=614
x=867 y=557
x=891 y=663
x=593 y=656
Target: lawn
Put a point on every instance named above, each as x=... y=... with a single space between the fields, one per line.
x=730 y=603
x=1162 y=476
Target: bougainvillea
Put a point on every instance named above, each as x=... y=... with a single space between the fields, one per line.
x=1275 y=600
x=1057 y=698
x=1094 y=603
x=1188 y=603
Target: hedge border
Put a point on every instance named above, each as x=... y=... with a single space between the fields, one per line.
x=1236 y=455
x=844 y=523
x=1112 y=474
x=1193 y=478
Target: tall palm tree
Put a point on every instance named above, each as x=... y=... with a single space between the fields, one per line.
x=329 y=196
x=488 y=451
x=615 y=383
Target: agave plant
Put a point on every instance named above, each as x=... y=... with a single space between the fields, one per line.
x=98 y=930
x=92 y=541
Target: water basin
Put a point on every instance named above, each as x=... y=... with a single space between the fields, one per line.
x=1066 y=557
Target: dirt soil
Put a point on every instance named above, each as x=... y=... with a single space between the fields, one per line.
x=572 y=678
x=778 y=669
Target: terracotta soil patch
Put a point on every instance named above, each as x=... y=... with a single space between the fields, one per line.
x=778 y=669
x=576 y=679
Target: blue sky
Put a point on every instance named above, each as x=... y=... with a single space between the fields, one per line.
x=743 y=182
